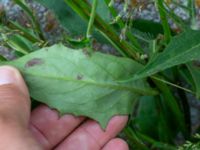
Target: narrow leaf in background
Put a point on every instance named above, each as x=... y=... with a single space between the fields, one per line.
x=69 y=19
x=182 y=49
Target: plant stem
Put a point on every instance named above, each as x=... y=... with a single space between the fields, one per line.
x=172 y=84
x=92 y=17
x=121 y=24
x=155 y=144
x=85 y=16
x=134 y=139
x=125 y=48
x=191 y=6
x=164 y=20
x=192 y=12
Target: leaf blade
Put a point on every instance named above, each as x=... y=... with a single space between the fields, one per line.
x=82 y=84
x=182 y=49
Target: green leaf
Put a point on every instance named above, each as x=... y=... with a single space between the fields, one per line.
x=72 y=81
x=2 y=58
x=102 y=10
x=186 y=75
x=152 y=113
x=27 y=10
x=182 y=49
x=71 y=21
x=171 y=108
x=148 y=26
x=25 y=32
x=18 y=43
x=67 y=17
x=195 y=72
x=147 y=114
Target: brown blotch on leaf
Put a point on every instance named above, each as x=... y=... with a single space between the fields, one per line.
x=79 y=77
x=34 y=62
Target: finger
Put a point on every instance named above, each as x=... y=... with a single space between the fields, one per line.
x=49 y=128
x=14 y=98
x=116 y=144
x=91 y=136
x=14 y=111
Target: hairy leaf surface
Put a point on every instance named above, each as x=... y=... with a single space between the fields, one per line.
x=73 y=81
x=182 y=49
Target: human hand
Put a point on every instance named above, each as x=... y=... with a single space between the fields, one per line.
x=43 y=129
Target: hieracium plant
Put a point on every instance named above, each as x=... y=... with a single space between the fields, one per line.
x=154 y=70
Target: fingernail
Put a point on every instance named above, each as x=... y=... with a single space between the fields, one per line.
x=8 y=75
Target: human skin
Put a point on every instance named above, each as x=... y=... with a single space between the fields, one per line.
x=43 y=129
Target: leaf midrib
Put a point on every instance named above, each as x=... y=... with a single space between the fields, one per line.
x=100 y=84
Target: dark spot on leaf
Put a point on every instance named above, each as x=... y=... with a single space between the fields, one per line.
x=79 y=77
x=34 y=62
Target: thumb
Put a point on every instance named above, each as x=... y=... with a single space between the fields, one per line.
x=14 y=98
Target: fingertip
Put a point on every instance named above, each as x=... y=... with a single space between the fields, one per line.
x=10 y=75
x=116 y=144
x=120 y=121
